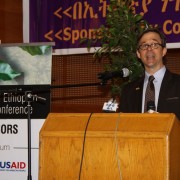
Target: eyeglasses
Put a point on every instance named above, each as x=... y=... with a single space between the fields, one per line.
x=152 y=46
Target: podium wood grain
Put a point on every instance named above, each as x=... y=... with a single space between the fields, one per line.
x=117 y=146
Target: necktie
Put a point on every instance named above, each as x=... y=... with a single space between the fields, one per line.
x=150 y=92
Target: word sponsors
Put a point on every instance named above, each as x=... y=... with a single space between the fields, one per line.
x=69 y=34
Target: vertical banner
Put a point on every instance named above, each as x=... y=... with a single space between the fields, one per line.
x=25 y=79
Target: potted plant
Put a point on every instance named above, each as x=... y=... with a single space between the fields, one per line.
x=118 y=39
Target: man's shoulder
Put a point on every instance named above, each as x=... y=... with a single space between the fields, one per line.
x=176 y=76
x=173 y=75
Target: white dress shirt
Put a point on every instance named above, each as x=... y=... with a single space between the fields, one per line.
x=157 y=85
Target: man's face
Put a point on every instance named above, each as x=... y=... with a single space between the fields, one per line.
x=151 y=51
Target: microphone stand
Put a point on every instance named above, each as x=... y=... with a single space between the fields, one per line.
x=29 y=98
x=79 y=85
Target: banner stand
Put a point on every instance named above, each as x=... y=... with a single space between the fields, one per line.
x=22 y=110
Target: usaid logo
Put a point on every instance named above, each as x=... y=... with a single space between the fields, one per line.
x=12 y=166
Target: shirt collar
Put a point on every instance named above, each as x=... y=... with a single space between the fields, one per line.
x=158 y=75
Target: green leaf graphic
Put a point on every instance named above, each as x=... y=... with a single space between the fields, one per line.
x=35 y=50
x=6 y=72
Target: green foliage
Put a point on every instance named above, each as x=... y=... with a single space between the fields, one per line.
x=35 y=50
x=6 y=72
x=118 y=39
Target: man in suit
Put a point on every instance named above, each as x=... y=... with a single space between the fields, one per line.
x=151 y=50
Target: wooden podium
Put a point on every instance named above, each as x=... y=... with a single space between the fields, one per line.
x=114 y=146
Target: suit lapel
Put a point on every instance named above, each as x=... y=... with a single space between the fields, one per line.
x=138 y=94
x=164 y=88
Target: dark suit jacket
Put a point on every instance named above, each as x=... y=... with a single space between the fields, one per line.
x=169 y=96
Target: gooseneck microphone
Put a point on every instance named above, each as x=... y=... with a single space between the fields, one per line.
x=151 y=105
x=110 y=75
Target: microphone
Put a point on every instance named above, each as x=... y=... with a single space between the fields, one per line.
x=151 y=105
x=109 y=75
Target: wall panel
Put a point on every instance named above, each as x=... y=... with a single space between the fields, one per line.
x=70 y=69
x=11 y=21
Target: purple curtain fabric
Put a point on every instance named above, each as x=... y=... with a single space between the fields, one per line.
x=165 y=13
x=66 y=22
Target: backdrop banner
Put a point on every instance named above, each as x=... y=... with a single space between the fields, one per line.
x=66 y=22
x=25 y=78
x=165 y=14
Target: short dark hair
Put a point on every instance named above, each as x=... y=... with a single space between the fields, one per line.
x=155 y=30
